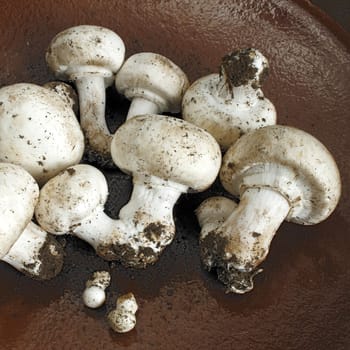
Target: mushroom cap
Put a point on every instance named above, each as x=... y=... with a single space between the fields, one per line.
x=87 y=48
x=226 y=120
x=66 y=92
x=215 y=209
x=290 y=161
x=169 y=148
x=94 y=297
x=38 y=131
x=155 y=78
x=70 y=197
x=19 y=194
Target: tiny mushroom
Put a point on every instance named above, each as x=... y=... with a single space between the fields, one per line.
x=89 y=56
x=153 y=83
x=38 y=131
x=94 y=294
x=66 y=92
x=231 y=103
x=280 y=173
x=123 y=318
x=166 y=156
x=23 y=244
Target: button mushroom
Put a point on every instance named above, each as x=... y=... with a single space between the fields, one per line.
x=89 y=56
x=73 y=201
x=94 y=294
x=38 y=131
x=23 y=244
x=231 y=103
x=167 y=157
x=280 y=173
x=153 y=83
x=123 y=318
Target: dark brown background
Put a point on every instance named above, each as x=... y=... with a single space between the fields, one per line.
x=337 y=9
x=302 y=299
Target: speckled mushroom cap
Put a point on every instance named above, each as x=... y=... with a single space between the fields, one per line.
x=154 y=77
x=69 y=197
x=98 y=49
x=169 y=148
x=203 y=106
x=66 y=92
x=289 y=160
x=38 y=131
x=18 y=196
x=211 y=102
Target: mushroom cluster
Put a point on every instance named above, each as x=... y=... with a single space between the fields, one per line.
x=277 y=172
x=177 y=154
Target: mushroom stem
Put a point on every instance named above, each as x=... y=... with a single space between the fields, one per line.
x=253 y=225
x=96 y=228
x=92 y=103
x=146 y=221
x=146 y=224
x=140 y=106
x=152 y=200
x=36 y=254
x=242 y=242
x=243 y=95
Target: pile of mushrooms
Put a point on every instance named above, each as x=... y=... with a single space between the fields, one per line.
x=277 y=172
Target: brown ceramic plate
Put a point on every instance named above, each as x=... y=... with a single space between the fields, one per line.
x=302 y=299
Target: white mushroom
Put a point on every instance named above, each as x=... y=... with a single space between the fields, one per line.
x=38 y=131
x=167 y=157
x=231 y=103
x=66 y=92
x=280 y=173
x=153 y=83
x=23 y=244
x=89 y=56
x=94 y=294
x=123 y=318
x=73 y=201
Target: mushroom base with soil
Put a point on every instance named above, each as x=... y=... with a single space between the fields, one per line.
x=36 y=254
x=146 y=225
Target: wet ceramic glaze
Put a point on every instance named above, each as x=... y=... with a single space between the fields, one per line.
x=301 y=300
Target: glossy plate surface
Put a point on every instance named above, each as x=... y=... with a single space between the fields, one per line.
x=302 y=299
